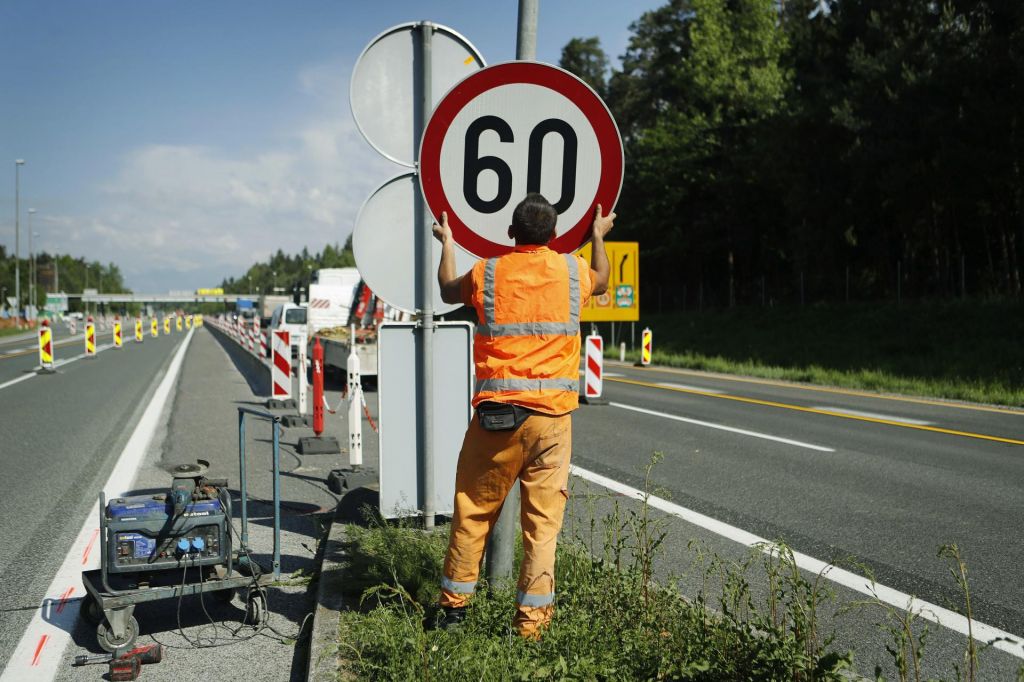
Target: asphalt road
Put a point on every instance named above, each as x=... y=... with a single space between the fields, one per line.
x=883 y=481
x=61 y=434
x=836 y=474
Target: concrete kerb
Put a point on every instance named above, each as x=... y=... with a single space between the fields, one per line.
x=255 y=371
x=324 y=652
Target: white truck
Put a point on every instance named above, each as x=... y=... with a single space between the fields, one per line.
x=332 y=296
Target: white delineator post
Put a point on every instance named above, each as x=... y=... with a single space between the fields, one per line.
x=300 y=341
x=281 y=370
x=594 y=369
x=622 y=352
x=355 y=402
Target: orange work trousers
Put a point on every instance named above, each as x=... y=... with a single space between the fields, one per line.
x=537 y=453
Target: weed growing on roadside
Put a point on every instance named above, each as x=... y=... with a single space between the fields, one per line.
x=612 y=622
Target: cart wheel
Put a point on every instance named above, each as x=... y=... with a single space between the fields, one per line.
x=255 y=608
x=224 y=596
x=90 y=610
x=109 y=643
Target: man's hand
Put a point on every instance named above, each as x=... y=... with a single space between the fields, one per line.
x=602 y=223
x=447 y=278
x=442 y=232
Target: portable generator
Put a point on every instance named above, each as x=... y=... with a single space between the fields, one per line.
x=178 y=543
x=188 y=526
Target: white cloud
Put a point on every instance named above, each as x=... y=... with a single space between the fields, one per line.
x=212 y=212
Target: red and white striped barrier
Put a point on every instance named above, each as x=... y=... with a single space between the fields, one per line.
x=263 y=344
x=281 y=370
x=594 y=369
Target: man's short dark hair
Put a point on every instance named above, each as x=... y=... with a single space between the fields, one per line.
x=533 y=221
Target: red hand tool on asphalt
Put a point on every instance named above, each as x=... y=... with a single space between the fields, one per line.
x=126 y=665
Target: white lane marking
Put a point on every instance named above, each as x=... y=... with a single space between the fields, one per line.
x=720 y=427
x=873 y=415
x=15 y=381
x=685 y=387
x=56 y=364
x=42 y=646
x=1000 y=639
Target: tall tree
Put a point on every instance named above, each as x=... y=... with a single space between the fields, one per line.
x=585 y=58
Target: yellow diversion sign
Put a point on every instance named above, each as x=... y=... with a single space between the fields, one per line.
x=621 y=303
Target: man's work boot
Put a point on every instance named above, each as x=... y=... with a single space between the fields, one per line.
x=451 y=617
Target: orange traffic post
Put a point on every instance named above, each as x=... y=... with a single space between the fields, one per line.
x=90 y=337
x=45 y=347
x=118 y=340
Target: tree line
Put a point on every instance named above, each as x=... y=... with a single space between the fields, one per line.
x=289 y=274
x=864 y=149
x=57 y=273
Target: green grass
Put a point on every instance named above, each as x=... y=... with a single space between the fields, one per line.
x=613 y=621
x=961 y=350
x=11 y=331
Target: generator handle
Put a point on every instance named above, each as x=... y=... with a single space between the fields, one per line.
x=243 y=486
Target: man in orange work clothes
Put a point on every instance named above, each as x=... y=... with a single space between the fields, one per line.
x=526 y=353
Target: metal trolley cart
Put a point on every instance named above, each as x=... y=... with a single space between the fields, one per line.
x=162 y=546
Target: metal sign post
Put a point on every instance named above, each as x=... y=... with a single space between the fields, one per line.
x=425 y=298
x=391 y=105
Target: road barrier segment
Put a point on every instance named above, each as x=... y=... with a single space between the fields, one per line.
x=90 y=338
x=45 y=347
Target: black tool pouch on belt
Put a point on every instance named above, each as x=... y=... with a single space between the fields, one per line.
x=501 y=416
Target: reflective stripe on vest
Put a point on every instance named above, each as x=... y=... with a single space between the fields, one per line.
x=498 y=385
x=490 y=328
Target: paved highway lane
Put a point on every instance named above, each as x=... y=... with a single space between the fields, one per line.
x=19 y=354
x=887 y=494
x=61 y=433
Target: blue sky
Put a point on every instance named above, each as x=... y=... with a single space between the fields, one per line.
x=184 y=140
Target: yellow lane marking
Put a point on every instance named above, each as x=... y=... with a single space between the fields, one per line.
x=813 y=410
x=825 y=389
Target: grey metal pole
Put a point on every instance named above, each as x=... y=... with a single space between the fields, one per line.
x=426 y=295
x=18 y=163
x=526 y=34
x=31 y=263
x=499 y=561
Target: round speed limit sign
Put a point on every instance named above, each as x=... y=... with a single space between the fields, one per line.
x=515 y=128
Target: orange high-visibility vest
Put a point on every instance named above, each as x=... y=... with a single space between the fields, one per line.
x=527 y=343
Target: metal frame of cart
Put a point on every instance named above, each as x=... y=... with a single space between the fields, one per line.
x=112 y=609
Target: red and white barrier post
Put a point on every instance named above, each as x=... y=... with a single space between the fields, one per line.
x=355 y=403
x=318 y=387
x=593 y=371
x=317 y=444
x=300 y=340
x=281 y=371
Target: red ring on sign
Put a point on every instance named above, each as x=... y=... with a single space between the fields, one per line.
x=531 y=73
